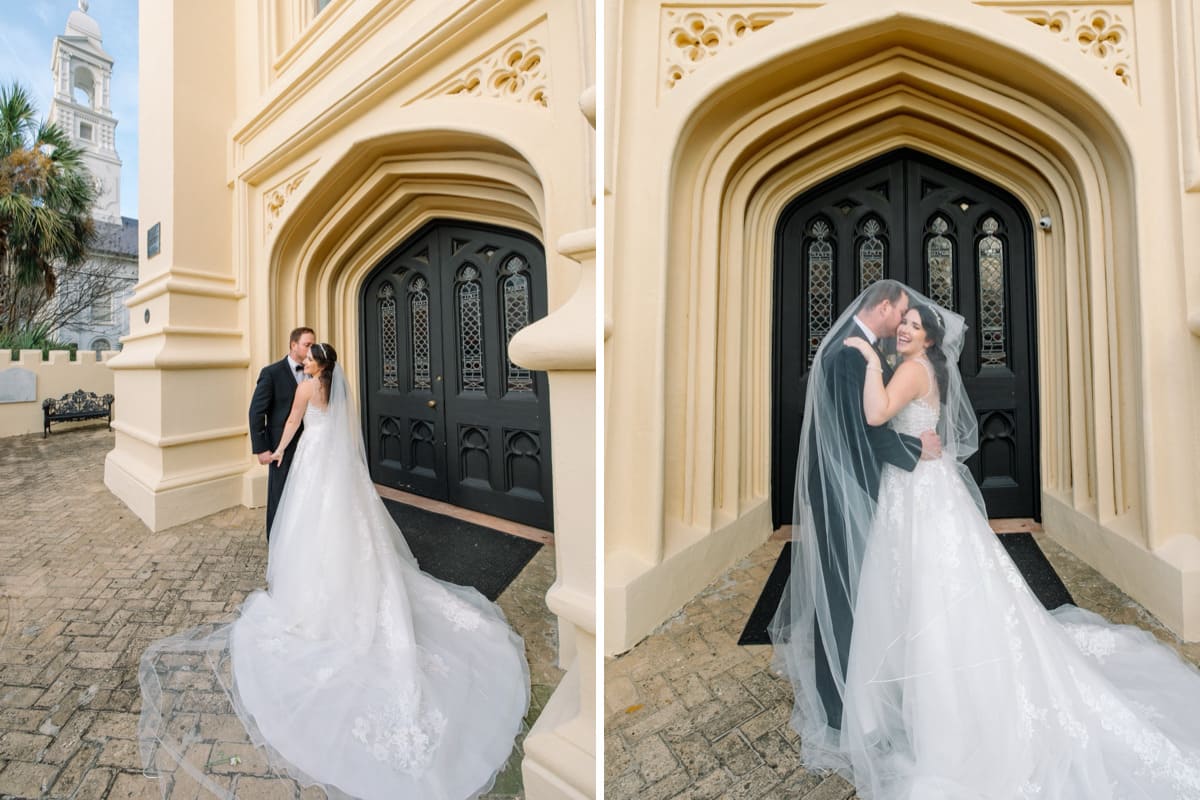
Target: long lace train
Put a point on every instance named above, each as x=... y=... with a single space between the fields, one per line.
x=961 y=686
x=355 y=671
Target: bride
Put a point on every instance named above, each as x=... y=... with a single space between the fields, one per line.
x=354 y=670
x=959 y=685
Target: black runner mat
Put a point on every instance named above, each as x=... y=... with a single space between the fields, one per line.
x=1021 y=547
x=1040 y=576
x=462 y=552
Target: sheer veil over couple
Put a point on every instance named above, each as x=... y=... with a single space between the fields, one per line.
x=354 y=670
x=923 y=666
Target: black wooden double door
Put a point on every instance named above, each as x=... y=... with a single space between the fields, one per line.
x=447 y=414
x=952 y=235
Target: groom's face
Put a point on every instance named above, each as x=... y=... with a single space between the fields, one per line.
x=894 y=313
x=299 y=348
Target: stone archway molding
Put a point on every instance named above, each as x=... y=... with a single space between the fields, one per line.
x=737 y=247
x=351 y=213
x=370 y=200
x=807 y=106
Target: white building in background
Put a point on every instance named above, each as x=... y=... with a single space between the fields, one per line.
x=82 y=106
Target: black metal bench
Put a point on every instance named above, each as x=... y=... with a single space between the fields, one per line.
x=75 y=406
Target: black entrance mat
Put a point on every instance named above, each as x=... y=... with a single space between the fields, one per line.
x=461 y=552
x=1040 y=576
x=755 y=631
x=1021 y=547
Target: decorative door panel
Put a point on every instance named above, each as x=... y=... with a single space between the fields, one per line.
x=404 y=364
x=955 y=237
x=448 y=415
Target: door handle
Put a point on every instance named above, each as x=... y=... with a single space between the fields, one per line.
x=432 y=403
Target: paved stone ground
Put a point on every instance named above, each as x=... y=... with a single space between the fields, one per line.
x=84 y=586
x=690 y=714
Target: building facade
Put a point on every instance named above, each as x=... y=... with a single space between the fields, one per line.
x=82 y=107
x=1034 y=164
x=413 y=181
x=107 y=278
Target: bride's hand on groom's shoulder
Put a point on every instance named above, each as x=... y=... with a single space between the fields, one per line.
x=861 y=345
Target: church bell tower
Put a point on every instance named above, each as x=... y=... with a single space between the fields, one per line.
x=82 y=106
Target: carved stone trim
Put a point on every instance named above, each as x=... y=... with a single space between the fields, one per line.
x=1103 y=32
x=516 y=70
x=693 y=35
x=276 y=198
x=1187 y=43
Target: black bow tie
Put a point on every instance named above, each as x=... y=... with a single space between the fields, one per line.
x=299 y=367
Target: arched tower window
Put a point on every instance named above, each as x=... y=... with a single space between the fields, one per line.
x=83 y=86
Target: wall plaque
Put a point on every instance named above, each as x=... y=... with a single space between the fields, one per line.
x=152 y=240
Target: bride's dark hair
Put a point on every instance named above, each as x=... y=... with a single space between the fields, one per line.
x=326 y=357
x=935 y=333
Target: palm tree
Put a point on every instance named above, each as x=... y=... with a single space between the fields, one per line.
x=46 y=196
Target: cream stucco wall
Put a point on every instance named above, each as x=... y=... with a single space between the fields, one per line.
x=1087 y=113
x=285 y=152
x=56 y=376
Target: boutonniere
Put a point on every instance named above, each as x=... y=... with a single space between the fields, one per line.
x=891 y=361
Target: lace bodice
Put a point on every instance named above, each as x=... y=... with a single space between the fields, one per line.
x=314 y=416
x=921 y=414
x=917 y=417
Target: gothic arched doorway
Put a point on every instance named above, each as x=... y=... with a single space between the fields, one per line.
x=447 y=415
x=952 y=235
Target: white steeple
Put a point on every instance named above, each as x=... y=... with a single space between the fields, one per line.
x=82 y=106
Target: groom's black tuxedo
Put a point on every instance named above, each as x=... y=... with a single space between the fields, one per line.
x=269 y=409
x=868 y=448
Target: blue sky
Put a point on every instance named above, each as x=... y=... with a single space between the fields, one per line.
x=27 y=31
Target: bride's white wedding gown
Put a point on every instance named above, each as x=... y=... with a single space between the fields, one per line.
x=355 y=669
x=961 y=686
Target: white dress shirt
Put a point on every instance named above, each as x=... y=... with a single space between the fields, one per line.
x=299 y=373
x=870 y=334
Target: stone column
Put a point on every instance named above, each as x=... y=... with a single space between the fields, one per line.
x=560 y=750
x=181 y=380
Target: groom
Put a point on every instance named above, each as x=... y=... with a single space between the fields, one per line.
x=867 y=448
x=269 y=409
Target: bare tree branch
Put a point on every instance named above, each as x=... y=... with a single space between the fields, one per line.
x=79 y=289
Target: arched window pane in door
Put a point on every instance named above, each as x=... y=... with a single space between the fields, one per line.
x=992 y=349
x=470 y=330
x=516 y=316
x=387 y=324
x=820 y=287
x=418 y=314
x=939 y=264
x=870 y=254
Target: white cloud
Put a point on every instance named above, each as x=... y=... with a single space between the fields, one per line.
x=43 y=11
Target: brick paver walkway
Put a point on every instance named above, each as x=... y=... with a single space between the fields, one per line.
x=84 y=586
x=690 y=714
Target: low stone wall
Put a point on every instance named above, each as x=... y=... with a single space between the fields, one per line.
x=29 y=380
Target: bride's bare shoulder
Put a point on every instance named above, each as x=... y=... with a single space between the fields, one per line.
x=316 y=395
x=912 y=372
